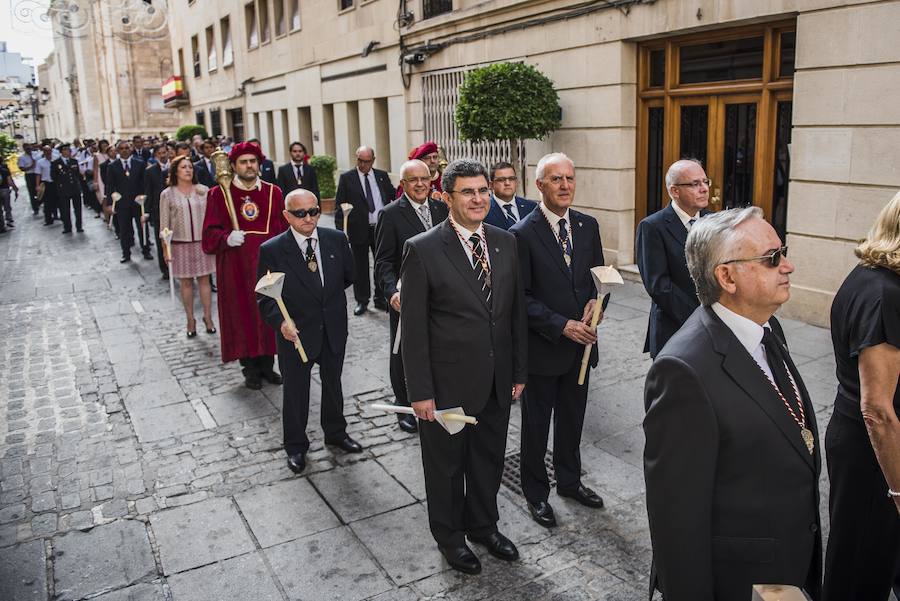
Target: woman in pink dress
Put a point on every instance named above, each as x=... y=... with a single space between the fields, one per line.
x=181 y=209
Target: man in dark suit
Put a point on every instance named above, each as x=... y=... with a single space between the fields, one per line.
x=298 y=173
x=68 y=181
x=732 y=457
x=204 y=167
x=558 y=246
x=507 y=209
x=266 y=167
x=140 y=151
x=317 y=267
x=155 y=181
x=660 y=252
x=412 y=214
x=464 y=344
x=369 y=191
x=126 y=177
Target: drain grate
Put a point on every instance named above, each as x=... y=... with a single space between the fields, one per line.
x=512 y=471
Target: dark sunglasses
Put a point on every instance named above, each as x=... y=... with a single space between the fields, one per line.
x=301 y=213
x=774 y=259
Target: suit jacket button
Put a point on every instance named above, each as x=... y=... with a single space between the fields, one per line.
x=813 y=528
x=490 y=353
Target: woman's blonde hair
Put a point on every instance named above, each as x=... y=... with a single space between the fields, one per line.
x=881 y=248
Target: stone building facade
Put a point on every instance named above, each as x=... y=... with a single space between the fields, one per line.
x=783 y=100
x=105 y=70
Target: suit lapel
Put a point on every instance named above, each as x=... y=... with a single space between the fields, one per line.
x=329 y=268
x=542 y=227
x=409 y=213
x=743 y=369
x=674 y=225
x=454 y=251
x=295 y=260
x=582 y=247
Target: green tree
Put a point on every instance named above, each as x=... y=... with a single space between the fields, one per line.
x=507 y=101
x=186 y=132
x=325 y=166
x=8 y=147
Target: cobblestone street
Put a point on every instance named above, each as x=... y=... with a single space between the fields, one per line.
x=134 y=465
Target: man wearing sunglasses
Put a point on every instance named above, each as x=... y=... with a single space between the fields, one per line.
x=732 y=454
x=660 y=252
x=413 y=213
x=317 y=266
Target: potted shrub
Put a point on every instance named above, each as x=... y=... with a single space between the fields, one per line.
x=325 y=166
x=186 y=132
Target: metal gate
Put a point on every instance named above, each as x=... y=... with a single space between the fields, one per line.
x=440 y=94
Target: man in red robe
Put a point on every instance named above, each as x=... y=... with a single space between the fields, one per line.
x=258 y=206
x=428 y=154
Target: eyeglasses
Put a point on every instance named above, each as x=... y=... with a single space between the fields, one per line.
x=557 y=179
x=470 y=193
x=696 y=183
x=365 y=161
x=417 y=180
x=505 y=180
x=301 y=213
x=774 y=258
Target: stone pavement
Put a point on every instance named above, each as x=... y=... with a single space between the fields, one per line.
x=134 y=465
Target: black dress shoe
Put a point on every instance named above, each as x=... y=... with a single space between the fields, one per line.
x=253 y=383
x=498 y=545
x=380 y=305
x=68 y=231
x=583 y=495
x=461 y=559
x=79 y=230
x=542 y=513
x=148 y=256
x=360 y=309
x=407 y=423
x=296 y=463
x=271 y=377
x=348 y=445
x=124 y=259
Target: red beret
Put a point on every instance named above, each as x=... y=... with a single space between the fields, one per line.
x=246 y=148
x=423 y=150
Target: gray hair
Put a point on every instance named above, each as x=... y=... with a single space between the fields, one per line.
x=297 y=193
x=675 y=171
x=461 y=168
x=547 y=159
x=708 y=244
x=410 y=164
x=365 y=149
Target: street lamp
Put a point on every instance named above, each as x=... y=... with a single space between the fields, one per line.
x=33 y=100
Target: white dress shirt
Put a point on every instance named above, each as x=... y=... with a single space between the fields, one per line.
x=257 y=185
x=376 y=193
x=43 y=169
x=28 y=162
x=512 y=205
x=295 y=166
x=417 y=206
x=466 y=234
x=210 y=167
x=684 y=217
x=553 y=218
x=301 y=242
x=750 y=335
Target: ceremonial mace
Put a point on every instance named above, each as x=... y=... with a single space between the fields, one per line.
x=141 y=198
x=224 y=175
x=604 y=278
x=453 y=420
x=396 y=348
x=270 y=285
x=166 y=235
x=115 y=198
x=346 y=207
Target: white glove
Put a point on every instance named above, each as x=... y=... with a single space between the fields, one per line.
x=235 y=238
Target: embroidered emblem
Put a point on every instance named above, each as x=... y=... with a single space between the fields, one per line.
x=249 y=209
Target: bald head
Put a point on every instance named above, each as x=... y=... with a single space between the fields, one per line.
x=300 y=199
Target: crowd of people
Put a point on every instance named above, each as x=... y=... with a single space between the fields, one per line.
x=490 y=298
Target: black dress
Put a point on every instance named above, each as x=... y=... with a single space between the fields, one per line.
x=864 y=543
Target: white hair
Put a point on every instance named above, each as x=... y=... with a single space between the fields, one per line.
x=297 y=193
x=711 y=239
x=365 y=149
x=411 y=164
x=675 y=171
x=553 y=157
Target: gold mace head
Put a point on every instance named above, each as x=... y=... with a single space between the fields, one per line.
x=442 y=159
x=222 y=163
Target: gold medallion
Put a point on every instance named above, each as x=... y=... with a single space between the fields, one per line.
x=567 y=259
x=807 y=435
x=312 y=265
x=249 y=209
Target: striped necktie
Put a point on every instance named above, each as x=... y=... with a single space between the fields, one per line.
x=478 y=267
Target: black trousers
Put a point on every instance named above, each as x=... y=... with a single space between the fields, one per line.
x=128 y=215
x=31 y=184
x=462 y=475
x=160 y=254
x=864 y=544
x=295 y=411
x=255 y=367
x=562 y=400
x=361 y=284
x=49 y=202
x=66 y=204
x=398 y=376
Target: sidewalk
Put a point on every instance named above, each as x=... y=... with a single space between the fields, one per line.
x=136 y=466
